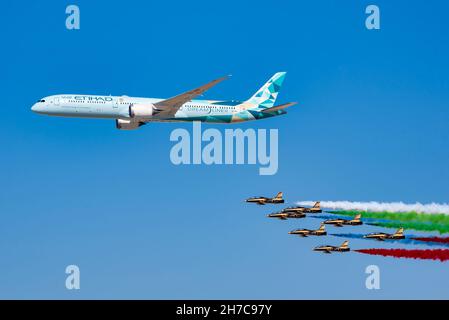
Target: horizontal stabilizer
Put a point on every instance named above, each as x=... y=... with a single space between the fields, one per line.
x=279 y=107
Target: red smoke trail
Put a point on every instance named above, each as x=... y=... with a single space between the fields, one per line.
x=433 y=239
x=435 y=254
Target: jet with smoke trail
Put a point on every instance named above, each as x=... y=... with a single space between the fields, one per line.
x=426 y=254
x=321 y=231
x=437 y=218
x=286 y=215
x=410 y=239
x=344 y=247
x=382 y=236
x=299 y=209
x=341 y=222
x=383 y=206
x=418 y=226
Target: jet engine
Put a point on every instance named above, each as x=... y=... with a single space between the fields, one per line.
x=127 y=124
x=138 y=110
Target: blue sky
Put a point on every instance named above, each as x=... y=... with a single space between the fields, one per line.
x=372 y=124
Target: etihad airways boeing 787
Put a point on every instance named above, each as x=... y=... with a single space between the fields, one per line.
x=131 y=113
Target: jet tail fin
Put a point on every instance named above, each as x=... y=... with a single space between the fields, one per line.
x=266 y=96
x=322 y=227
x=357 y=217
x=317 y=204
x=279 y=195
x=399 y=232
x=344 y=245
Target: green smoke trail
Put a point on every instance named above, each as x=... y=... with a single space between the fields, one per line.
x=419 y=226
x=431 y=218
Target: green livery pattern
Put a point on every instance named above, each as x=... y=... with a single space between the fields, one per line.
x=250 y=109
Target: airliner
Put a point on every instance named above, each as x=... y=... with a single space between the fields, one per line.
x=132 y=112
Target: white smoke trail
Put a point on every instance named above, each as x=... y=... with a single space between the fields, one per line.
x=382 y=206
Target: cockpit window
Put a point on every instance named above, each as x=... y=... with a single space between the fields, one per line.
x=41 y=100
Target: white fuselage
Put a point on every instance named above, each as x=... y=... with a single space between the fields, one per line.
x=95 y=106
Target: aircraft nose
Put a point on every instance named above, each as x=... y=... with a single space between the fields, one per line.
x=36 y=108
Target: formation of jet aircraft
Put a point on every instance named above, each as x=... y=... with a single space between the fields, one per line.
x=341 y=222
x=381 y=236
x=298 y=212
x=264 y=200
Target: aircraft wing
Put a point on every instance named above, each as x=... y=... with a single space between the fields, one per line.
x=170 y=106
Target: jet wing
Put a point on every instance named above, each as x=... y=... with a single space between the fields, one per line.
x=339 y=225
x=170 y=106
